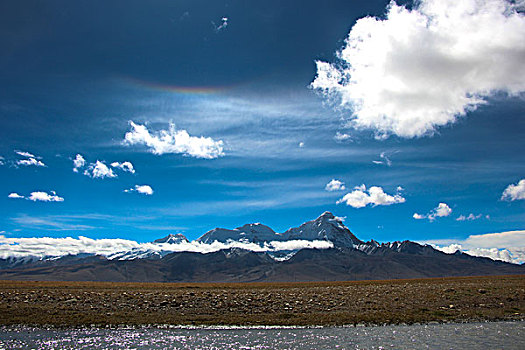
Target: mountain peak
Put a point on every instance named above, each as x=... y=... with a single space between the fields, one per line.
x=326 y=227
x=326 y=215
x=172 y=238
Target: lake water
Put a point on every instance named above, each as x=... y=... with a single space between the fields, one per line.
x=493 y=335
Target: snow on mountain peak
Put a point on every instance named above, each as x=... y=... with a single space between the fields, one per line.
x=326 y=227
x=172 y=239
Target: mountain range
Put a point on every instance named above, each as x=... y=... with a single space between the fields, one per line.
x=323 y=249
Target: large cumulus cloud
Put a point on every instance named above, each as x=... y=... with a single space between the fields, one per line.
x=421 y=68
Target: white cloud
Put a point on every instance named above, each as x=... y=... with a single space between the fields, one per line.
x=340 y=137
x=470 y=217
x=440 y=211
x=335 y=185
x=144 y=189
x=115 y=248
x=359 y=198
x=38 y=196
x=514 y=192
x=385 y=160
x=125 y=166
x=2 y=160
x=45 y=197
x=222 y=26
x=99 y=170
x=78 y=162
x=174 y=141
x=301 y=144
x=420 y=69
x=31 y=159
x=506 y=246
x=25 y=154
x=29 y=162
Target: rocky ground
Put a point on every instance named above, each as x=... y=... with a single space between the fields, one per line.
x=330 y=303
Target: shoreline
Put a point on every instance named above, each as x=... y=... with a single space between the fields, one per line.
x=50 y=327
x=245 y=305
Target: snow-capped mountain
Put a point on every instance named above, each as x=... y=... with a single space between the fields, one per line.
x=320 y=249
x=254 y=233
x=172 y=239
x=326 y=227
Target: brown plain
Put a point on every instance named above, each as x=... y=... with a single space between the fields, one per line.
x=74 y=304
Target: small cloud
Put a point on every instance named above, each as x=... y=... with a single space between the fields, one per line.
x=301 y=144
x=335 y=185
x=514 y=192
x=125 y=166
x=26 y=154
x=99 y=170
x=30 y=160
x=384 y=159
x=470 y=217
x=143 y=189
x=184 y=16
x=442 y=210
x=222 y=26
x=339 y=137
x=78 y=162
x=39 y=196
x=15 y=195
x=375 y=196
x=2 y=160
x=174 y=141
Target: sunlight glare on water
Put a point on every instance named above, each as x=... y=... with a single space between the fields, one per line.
x=494 y=335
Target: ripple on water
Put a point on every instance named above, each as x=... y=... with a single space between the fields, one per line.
x=507 y=335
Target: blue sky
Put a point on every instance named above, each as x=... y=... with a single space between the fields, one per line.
x=266 y=107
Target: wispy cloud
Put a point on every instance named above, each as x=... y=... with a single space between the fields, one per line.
x=360 y=197
x=421 y=68
x=384 y=159
x=25 y=154
x=50 y=223
x=469 y=217
x=442 y=210
x=174 y=141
